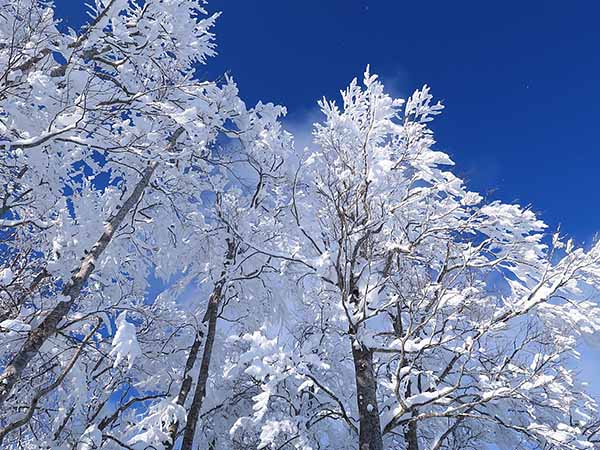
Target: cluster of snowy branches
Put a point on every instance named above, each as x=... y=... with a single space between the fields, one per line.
x=350 y=295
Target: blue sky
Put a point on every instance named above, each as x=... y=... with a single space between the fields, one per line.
x=520 y=81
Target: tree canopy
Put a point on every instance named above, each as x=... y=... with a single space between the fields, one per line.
x=353 y=294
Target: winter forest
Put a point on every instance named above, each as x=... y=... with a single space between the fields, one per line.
x=353 y=294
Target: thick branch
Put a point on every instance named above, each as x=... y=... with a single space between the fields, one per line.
x=71 y=291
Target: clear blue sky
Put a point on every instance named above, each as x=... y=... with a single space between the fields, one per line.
x=520 y=80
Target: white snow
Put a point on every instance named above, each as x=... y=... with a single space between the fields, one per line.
x=125 y=344
x=6 y=276
x=15 y=325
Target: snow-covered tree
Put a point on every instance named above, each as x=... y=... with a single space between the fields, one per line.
x=350 y=295
x=112 y=154
x=428 y=318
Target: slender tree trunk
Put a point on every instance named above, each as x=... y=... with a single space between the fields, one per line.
x=410 y=436
x=186 y=385
x=410 y=432
x=210 y=318
x=200 y=392
x=71 y=291
x=370 y=437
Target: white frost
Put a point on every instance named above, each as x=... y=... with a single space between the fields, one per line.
x=14 y=325
x=6 y=276
x=125 y=344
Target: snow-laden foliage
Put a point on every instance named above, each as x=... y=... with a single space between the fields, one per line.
x=353 y=294
x=424 y=318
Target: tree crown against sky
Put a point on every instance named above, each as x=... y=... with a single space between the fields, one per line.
x=351 y=294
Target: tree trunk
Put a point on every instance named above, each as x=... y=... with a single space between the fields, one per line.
x=410 y=432
x=71 y=291
x=210 y=317
x=186 y=385
x=410 y=436
x=370 y=437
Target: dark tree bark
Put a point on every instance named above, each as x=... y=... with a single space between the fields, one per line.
x=410 y=432
x=370 y=437
x=210 y=318
x=71 y=291
x=410 y=436
x=186 y=385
